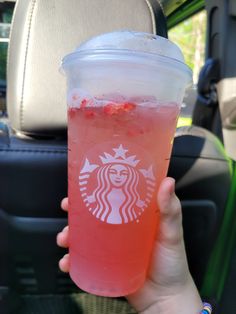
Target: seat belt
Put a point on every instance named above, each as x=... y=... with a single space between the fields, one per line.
x=161 y=26
x=206 y=105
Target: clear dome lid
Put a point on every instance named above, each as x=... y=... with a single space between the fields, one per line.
x=130 y=46
x=133 y=41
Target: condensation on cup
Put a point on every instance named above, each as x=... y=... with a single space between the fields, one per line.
x=124 y=92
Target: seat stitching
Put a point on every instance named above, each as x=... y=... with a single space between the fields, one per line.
x=25 y=60
x=32 y=151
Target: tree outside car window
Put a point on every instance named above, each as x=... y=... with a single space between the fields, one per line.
x=190 y=36
x=5 y=20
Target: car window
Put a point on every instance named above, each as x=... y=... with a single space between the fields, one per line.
x=6 y=11
x=190 y=36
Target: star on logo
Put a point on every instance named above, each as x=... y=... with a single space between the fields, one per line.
x=119 y=157
x=148 y=173
x=88 y=167
x=120 y=152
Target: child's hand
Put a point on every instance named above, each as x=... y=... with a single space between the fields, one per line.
x=169 y=287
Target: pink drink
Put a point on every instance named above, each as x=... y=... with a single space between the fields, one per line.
x=124 y=93
x=118 y=155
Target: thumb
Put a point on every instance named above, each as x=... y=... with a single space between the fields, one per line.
x=171 y=231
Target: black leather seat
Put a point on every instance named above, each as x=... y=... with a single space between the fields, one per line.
x=203 y=174
x=33 y=151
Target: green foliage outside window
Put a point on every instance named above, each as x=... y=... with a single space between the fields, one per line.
x=5 y=21
x=3 y=58
x=190 y=37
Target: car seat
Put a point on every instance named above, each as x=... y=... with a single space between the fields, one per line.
x=33 y=148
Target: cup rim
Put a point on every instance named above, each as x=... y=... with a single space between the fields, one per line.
x=133 y=56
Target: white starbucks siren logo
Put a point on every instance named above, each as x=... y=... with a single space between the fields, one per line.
x=114 y=196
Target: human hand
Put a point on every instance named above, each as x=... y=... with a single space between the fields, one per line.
x=169 y=288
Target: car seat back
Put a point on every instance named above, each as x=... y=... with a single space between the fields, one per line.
x=33 y=148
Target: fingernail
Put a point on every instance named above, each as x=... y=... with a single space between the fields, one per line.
x=65 y=228
x=57 y=237
x=172 y=187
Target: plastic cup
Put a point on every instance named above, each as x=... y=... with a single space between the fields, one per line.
x=124 y=95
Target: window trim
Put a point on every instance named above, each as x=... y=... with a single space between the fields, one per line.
x=186 y=10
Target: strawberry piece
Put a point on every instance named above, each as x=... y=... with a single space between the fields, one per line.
x=89 y=114
x=129 y=106
x=114 y=108
x=75 y=97
x=84 y=103
x=111 y=109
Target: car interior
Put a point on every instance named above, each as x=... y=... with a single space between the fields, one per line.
x=33 y=150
